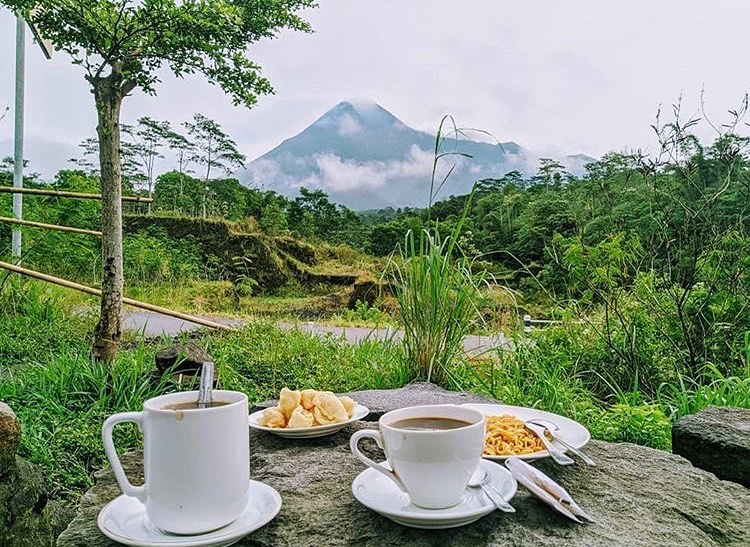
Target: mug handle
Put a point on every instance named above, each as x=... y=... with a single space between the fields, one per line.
x=138 y=492
x=378 y=438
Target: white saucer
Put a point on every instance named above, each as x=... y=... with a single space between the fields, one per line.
x=379 y=493
x=124 y=520
x=360 y=411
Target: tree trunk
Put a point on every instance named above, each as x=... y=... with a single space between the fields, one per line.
x=108 y=96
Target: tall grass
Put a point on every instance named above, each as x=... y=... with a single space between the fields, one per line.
x=438 y=297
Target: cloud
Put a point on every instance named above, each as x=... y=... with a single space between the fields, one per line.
x=340 y=175
x=332 y=173
x=261 y=171
x=45 y=156
x=347 y=125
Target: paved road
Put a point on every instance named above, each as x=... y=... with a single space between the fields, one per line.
x=154 y=324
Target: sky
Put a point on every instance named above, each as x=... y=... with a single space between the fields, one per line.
x=558 y=77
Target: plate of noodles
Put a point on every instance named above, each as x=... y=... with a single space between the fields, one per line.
x=508 y=436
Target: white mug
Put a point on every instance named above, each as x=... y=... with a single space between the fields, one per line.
x=196 y=461
x=432 y=466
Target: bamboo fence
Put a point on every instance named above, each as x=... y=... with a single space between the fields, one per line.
x=96 y=292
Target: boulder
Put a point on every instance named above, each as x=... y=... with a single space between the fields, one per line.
x=187 y=358
x=716 y=439
x=26 y=518
x=10 y=436
x=638 y=496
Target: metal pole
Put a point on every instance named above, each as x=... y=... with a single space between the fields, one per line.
x=18 y=145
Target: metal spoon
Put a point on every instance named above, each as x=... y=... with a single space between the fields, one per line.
x=205 y=397
x=480 y=479
x=572 y=449
x=556 y=454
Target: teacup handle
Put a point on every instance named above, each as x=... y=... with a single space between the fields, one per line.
x=378 y=438
x=138 y=492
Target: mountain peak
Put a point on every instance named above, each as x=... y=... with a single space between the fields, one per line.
x=353 y=115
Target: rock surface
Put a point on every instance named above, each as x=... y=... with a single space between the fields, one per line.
x=188 y=358
x=718 y=440
x=639 y=497
x=10 y=436
x=26 y=519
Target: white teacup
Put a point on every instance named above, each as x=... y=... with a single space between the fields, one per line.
x=431 y=464
x=196 y=461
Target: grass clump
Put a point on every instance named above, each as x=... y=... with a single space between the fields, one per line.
x=438 y=299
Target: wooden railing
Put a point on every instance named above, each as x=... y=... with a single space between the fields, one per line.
x=76 y=286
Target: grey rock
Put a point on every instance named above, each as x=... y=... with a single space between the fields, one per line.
x=185 y=359
x=718 y=440
x=639 y=497
x=380 y=401
x=10 y=436
x=26 y=519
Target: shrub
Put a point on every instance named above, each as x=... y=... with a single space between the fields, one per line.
x=641 y=424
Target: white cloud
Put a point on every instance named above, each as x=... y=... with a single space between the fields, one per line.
x=347 y=125
x=340 y=175
x=262 y=171
x=544 y=73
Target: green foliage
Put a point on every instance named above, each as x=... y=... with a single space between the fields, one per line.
x=688 y=396
x=641 y=424
x=364 y=314
x=140 y=39
x=152 y=257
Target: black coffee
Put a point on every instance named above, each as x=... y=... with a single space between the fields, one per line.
x=192 y=405
x=429 y=424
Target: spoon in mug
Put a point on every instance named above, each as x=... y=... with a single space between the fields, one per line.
x=480 y=479
x=205 y=396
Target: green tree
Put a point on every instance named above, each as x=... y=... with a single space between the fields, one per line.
x=183 y=148
x=214 y=149
x=551 y=172
x=150 y=136
x=131 y=167
x=124 y=45
x=273 y=218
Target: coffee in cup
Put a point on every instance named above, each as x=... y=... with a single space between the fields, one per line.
x=196 y=460
x=432 y=451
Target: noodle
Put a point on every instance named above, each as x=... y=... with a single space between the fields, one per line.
x=508 y=436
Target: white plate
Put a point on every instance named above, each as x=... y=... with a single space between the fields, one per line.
x=360 y=411
x=124 y=520
x=574 y=433
x=379 y=493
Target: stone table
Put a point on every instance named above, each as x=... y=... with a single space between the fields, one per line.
x=639 y=497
